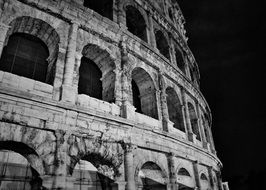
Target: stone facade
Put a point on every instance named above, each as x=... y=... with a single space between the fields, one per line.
x=168 y=145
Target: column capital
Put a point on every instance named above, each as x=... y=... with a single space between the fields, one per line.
x=128 y=147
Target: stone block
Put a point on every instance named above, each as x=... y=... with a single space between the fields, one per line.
x=26 y=84
x=43 y=87
x=68 y=94
x=11 y=80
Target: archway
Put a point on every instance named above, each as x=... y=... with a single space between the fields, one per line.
x=151 y=177
x=136 y=23
x=97 y=77
x=31 y=49
x=147 y=93
x=193 y=120
x=175 y=109
x=90 y=79
x=162 y=44
x=184 y=180
x=16 y=170
x=179 y=60
x=204 y=181
x=87 y=176
x=103 y=7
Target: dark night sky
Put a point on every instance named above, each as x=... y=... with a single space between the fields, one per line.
x=228 y=39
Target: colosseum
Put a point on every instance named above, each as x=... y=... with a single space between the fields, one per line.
x=101 y=95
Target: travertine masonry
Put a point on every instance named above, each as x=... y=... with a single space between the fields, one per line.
x=155 y=136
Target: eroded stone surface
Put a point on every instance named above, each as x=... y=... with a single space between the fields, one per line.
x=57 y=127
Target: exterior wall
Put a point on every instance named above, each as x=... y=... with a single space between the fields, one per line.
x=60 y=126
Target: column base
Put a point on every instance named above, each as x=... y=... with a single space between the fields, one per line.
x=128 y=111
x=68 y=94
x=191 y=137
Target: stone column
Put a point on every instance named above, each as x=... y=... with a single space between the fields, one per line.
x=167 y=124
x=3 y=31
x=127 y=109
x=172 y=52
x=196 y=174
x=60 y=179
x=152 y=39
x=211 y=176
x=190 y=133
x=172 y=167
x=183 y=107
x=129 y=167
x=158 y=104
x=118 y=87
x=68 y=92
x=121 y=15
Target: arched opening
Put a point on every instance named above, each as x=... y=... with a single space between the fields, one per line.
x=204 y=182
x=147 y=93
x=179 y=60
x=87 y=176
x=151 y=177
x=25 y=55
x=183 y=172
x=184 y=180
x=103 y=7
x=175 y=109
x=90 y=79
x=193 y=120
x=162 y=44
x=136 y=23
x=96 y=73
x=30 y=49
x=203 y=177
x=15 y=170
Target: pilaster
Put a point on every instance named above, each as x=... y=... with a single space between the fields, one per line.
x=190 y=133
x=152 y=40
x=129 y=167
x=3 y=31
x=196 y=173
x=68 y=91
x=171 y=164
x=127 y=109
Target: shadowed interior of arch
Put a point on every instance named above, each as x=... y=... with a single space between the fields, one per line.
x=162 y=44
x=193 y=120
x=179 y=60
x=28 y=51
x=175 y=109
x=25 y=55
x=136 y=23
x=144 y=93
x=151 y=177
x=16 y=172
x=92 y=175
x=96 y=75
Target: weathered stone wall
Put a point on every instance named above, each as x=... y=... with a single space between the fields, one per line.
x=60 y=126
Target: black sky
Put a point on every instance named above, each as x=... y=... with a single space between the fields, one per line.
x=228 y=39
